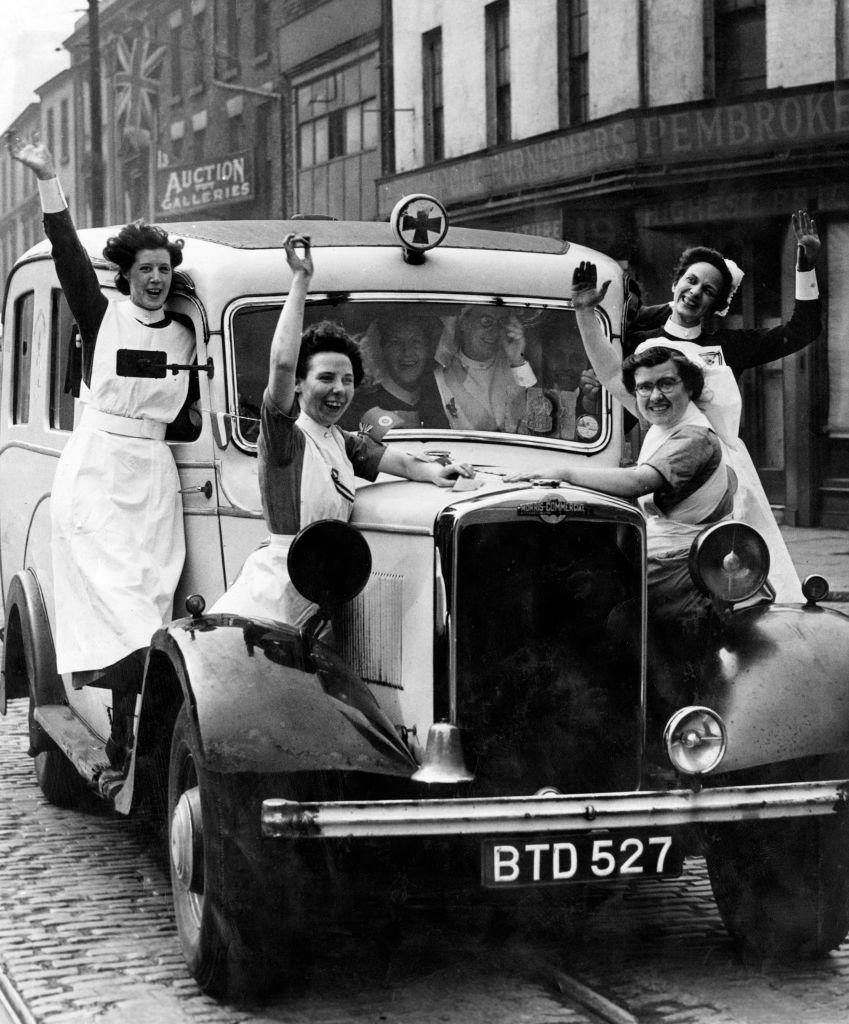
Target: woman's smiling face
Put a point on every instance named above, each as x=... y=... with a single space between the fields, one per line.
x=328 y=387
x=694 y=293
x=666 y=398
x=149 y=278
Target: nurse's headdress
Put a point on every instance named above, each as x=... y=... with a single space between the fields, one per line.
x=720 y=399
x=737 y=276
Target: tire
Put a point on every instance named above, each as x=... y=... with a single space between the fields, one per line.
x=241 y=914
x=782 y=887
x=57 y=778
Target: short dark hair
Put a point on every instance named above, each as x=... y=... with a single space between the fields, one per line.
x=121 y=249
x=327 y=336
x=703 y=254
x=690 y=373
x=427 y=324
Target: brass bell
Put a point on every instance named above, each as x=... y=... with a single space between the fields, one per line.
x=443 y=760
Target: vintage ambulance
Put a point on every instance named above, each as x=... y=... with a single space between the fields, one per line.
x=466 y=699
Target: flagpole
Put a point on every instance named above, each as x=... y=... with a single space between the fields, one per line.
x=95 y=115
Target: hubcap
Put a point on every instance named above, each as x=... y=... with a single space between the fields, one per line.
x=187 y=841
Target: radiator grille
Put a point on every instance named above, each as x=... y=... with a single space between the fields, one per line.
x=368 y=631
x=548 y=655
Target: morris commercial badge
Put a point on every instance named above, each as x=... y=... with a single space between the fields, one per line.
x=553 y=509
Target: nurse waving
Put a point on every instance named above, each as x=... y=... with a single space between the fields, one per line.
x=307 y=463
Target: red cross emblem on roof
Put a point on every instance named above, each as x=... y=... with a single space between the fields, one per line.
x=420 y=222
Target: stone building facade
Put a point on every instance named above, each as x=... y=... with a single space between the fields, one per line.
x=641 y=127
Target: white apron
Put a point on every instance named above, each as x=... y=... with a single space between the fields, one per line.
x=263 y=589
x=116 y=512
x=722 y=404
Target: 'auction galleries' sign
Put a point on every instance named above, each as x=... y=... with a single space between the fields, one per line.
x=186 y=189
x=776 y=122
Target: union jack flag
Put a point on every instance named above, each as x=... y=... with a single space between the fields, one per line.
x=139 y=62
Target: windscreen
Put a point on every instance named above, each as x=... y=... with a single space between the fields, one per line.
x=434 y=366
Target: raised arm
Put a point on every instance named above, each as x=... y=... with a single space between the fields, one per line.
x=755 y=346
x=606 y=359
x=73 y=266
x=286 y=343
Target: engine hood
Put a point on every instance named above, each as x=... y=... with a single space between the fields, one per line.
x=403 y=506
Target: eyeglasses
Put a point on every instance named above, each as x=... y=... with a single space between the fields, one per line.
x=664 y=385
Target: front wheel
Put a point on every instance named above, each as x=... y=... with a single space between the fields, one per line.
x=782 y=887
x=239 y=921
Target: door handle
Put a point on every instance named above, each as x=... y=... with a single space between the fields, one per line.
x=204 y=489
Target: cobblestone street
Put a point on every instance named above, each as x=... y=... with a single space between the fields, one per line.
x=88 y=938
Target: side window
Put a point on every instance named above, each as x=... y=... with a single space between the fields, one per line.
x=22 y=357
x=62 y=330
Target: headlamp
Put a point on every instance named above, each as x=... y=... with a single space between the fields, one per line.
x=729 y=561
x=695 y=739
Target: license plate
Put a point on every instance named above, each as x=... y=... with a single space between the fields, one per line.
x=559 y=860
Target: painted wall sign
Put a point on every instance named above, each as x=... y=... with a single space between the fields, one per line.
x=781 y=120
x=218 y=182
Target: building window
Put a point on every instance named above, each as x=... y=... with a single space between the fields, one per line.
x=64 y=131
x=338 y=132
x=22 y=357
x=175 y=49
x=236 y=133
x=50 y=129
x=198 y=68
x=198 y=144
x=573 y=61
x=262 y=26
x=739 y=47
x=227 y=38
x=498 y=73
x=434 y=124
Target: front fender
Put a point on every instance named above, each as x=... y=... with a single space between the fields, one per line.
x=263 y=706
x=779 y=676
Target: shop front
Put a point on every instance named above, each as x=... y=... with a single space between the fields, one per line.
x=644 y=185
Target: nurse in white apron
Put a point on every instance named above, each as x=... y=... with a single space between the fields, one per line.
x=721 y=401
x=307 y=464
x=704 y=283
x=117 y=521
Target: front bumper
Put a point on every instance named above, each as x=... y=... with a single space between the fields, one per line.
x=541 y=814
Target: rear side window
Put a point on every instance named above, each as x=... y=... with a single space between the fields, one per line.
x=63 y=334
x=22 y=357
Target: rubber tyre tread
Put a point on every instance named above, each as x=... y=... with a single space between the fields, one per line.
x=249 y=940
x=57 y=778
x=782 y=887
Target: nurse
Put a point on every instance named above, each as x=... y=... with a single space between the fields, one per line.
x=307 y=463
x=704 y=283
x=116 y=512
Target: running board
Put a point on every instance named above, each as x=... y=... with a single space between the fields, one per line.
x=83 y=750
